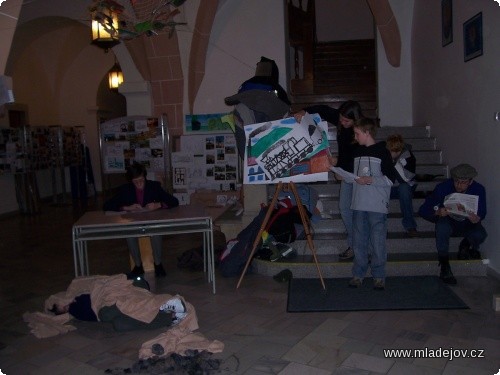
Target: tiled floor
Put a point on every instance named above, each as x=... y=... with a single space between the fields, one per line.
x=260 y=337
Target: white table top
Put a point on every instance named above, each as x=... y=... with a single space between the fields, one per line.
x=180 y=213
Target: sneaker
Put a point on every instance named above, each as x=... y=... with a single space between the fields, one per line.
x=347 y=254
x=412 y=233
x=175 y=305
x=378 y=284
x=177 y=318
x=136 y=271
x=159 y=270
x=355 y=282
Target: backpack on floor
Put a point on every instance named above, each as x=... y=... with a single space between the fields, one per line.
x=233 y=259
x=281 y=225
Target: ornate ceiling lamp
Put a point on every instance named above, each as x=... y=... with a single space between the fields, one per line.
x=105 y=24
x=115 y=76
x=108 y=30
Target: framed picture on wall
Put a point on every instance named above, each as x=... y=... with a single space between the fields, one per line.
x=447 y=22
x=473 y=37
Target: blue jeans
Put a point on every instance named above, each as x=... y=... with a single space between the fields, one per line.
x=404 y=193
x=345 y=198
x=447 y=226
x=369 y=235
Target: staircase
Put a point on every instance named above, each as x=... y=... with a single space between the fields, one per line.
x=406 y=256
x=343 y=70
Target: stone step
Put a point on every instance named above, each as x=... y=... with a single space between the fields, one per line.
x=305 y=267
x=331 y=205
x=406 y=132
x=335 y=225
x=330 y=189
x=417 y=144
x=428 y=156
x=397 y=243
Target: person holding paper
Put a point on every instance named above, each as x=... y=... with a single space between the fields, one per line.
x=344 y=118
x=405 y=164
x=141 y=194
x=447 y=224
x=370 y=204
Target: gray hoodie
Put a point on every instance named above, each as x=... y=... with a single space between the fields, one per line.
x=374 y=161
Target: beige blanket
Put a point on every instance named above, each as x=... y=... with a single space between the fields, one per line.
x=135 y=302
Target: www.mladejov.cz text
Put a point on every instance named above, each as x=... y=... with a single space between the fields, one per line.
x=434 y=353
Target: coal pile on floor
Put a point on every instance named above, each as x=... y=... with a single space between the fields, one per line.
x=193 y=363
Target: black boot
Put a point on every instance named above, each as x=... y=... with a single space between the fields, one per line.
x=446 y=275
x=464 y=250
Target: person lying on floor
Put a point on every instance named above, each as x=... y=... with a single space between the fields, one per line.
x=170 y=313
x=127 y=304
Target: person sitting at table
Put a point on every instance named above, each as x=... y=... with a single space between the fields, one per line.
x=141 y=194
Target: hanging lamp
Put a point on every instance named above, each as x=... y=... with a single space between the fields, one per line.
x=115 y=76
x=105 y=29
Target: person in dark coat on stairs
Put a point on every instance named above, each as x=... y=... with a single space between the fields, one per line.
x=344 y=118
x=448 y=224
x=405 y=164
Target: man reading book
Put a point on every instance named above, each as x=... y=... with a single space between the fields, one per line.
x=447 y=224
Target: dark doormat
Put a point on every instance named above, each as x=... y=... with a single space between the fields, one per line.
x=401 y=293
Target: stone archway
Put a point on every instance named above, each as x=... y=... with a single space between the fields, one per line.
x=387 y=25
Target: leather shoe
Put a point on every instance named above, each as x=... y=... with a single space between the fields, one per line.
x=137 y=271
x=160 y=271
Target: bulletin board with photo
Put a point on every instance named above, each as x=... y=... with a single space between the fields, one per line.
x=207 y=161
x=135 y=139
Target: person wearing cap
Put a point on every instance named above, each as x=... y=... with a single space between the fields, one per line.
x=447 y=225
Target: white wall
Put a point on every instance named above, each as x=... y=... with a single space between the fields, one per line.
x=395 y=84
x=458 y=99
x=241 y=34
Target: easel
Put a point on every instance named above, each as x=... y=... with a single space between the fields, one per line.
x=305 y=222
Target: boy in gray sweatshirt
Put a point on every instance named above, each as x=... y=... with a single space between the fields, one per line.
x=370 y=204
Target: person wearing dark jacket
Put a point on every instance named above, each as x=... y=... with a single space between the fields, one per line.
x=405 y=164
x=138 y=195
x=344 y=118
x=448 y=224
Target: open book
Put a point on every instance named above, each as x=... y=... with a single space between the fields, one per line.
x=461 y=204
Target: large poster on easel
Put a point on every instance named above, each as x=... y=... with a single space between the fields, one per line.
x=135 y=139
x=287 y=151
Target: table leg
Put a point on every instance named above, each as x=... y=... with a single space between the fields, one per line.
x=75 y=253
x=211 y=254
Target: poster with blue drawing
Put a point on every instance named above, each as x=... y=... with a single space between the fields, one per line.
x=284 y=150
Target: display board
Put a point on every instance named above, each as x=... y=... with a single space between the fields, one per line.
x=135 y=139
x=209 y=123
x=34 y=148
x=207 y=161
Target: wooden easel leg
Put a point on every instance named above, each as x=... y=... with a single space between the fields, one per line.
x=279 y=187
x=305 y=223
